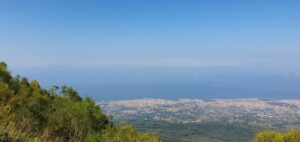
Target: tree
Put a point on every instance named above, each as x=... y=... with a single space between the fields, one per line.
x=70 y=93
x=53 y=90
x=29 y=112
x=126 y=133
x=5 y=93
x=4 y=73
x=277 y=136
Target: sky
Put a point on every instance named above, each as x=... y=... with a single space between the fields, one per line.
x=120 y=49
x=149 y=32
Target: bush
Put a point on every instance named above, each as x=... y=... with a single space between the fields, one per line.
x=126 y=133
x=277 y=136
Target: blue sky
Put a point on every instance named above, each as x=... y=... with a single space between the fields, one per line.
x=149 y=32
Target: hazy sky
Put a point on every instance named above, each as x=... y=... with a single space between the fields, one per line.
x=146 y=32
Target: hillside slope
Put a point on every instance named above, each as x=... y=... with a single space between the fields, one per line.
x=29 y=112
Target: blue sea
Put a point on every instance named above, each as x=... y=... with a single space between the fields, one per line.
x=135 y=82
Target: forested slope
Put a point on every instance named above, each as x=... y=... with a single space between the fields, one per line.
x=29 y=112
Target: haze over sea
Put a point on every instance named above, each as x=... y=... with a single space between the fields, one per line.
x=171 y=82
x=167 y=49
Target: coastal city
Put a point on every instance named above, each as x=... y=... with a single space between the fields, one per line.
x=277 y=112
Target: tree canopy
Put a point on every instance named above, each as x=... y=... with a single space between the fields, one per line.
x=277 y=136
x=29 y=112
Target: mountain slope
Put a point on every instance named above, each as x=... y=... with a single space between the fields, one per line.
x=29 y=112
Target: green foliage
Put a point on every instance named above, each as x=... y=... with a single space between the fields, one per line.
x=276 y=136
x=5 y=93
x=70 y=93
x=198 y=132
x=5 y=76
x=30 y=113
x=126 y=133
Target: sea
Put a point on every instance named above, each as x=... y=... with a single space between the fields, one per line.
x=170 y=82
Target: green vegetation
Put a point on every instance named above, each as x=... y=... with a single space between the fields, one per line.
x=203 y=132
x=29 y=112
x=126 y=133
x=277 y=136
x=214 y=132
